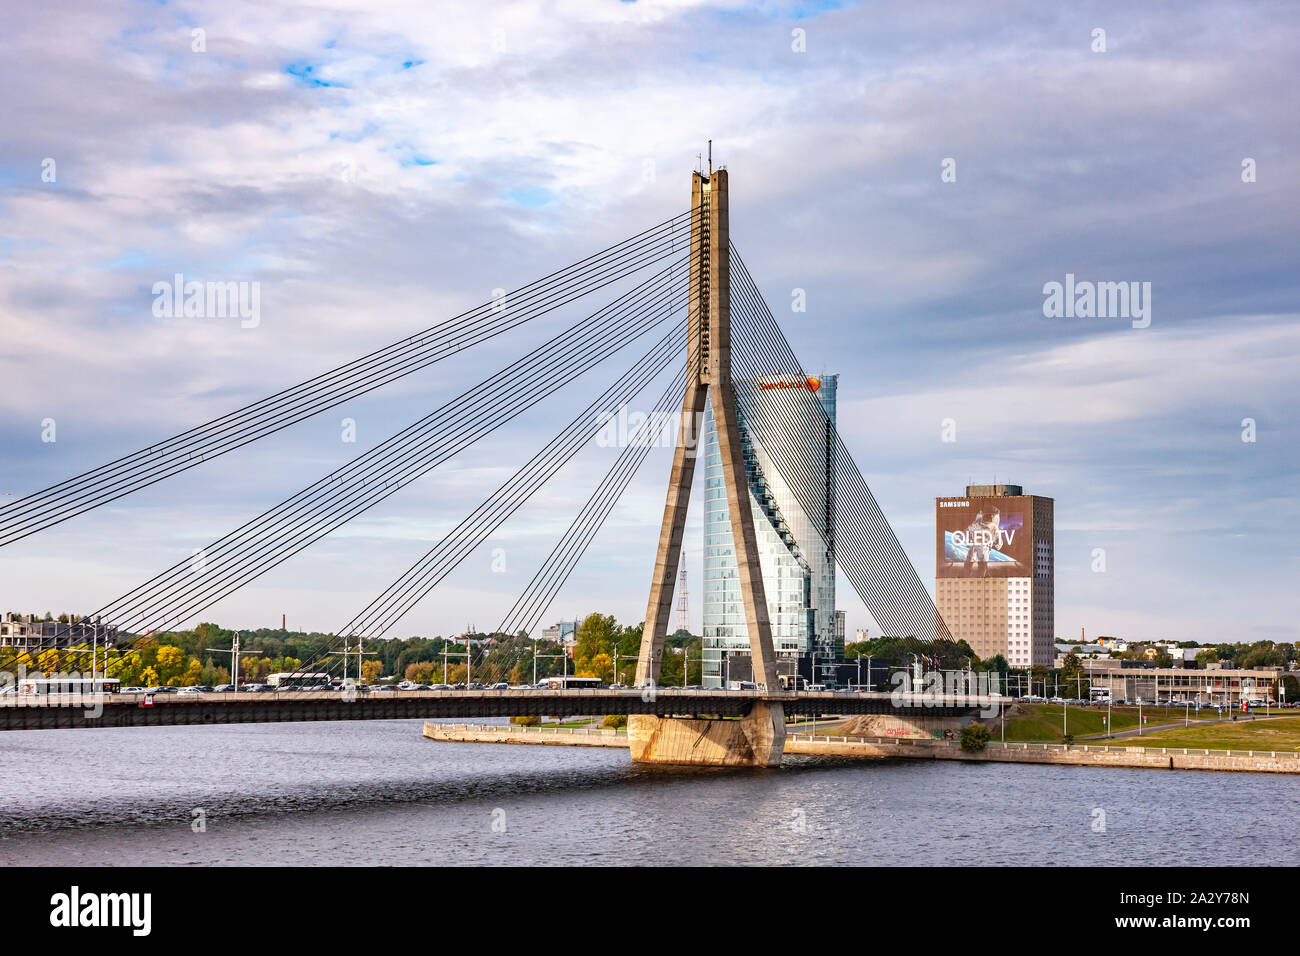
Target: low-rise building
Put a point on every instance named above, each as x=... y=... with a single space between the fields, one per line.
x=27 y=631
x=561 y=631
x=1136 y=680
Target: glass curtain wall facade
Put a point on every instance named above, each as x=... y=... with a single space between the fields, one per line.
x=797 y=563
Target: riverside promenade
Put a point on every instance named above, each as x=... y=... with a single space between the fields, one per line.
x=514 y=734
x=902 y=748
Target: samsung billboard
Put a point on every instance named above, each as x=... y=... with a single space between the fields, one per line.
x=984 y=537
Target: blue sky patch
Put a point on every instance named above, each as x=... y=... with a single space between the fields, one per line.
x=306 y=73
x=532 y=196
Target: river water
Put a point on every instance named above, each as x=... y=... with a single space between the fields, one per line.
x=377 y=792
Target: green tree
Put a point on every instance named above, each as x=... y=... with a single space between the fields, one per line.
x=997 y=663
x=595 y=635
x=974 y=738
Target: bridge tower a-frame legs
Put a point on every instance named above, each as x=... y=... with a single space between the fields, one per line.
x=759 y=738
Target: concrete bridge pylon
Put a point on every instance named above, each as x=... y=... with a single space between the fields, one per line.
x=757 y=739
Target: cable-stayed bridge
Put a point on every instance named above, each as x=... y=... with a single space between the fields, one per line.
x=698 y=318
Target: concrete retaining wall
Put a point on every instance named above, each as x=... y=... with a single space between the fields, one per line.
x=1158 y=758
x=703 y=744
x=512 y=734
x=909 y=725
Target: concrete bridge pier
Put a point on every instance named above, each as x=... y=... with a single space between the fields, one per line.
x=755 y=740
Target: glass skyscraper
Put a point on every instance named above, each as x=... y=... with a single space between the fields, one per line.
x=798 y=564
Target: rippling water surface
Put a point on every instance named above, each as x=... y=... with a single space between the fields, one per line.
x=377 y=792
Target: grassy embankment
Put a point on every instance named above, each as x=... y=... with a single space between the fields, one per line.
x=1263 y=733
x=1043 y=722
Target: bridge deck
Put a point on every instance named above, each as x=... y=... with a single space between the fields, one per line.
x=131 y=710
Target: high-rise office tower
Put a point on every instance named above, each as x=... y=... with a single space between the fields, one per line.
x=797 y=562
x=995 y=574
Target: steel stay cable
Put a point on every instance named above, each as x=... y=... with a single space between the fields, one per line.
x=494 y=426
x=417 y=337
x=507 y=498
x=919 y=609
x=16 y=520
x=475 y=528
x=109 y=607
x=640 y=443
x=479 y=394
x=544 y=585
x=850 y=553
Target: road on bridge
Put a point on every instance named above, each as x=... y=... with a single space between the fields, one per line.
x=29 y=712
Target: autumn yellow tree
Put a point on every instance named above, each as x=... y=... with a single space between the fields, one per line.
x=600 y=665
x=193 y=673
x=253 y=670
x=422 y=672
x=170 y=660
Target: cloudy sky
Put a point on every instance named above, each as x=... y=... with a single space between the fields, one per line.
x=376 y=167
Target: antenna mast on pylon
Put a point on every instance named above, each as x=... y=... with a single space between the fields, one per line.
x=683 y=612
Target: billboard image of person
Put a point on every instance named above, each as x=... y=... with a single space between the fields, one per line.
x=983 y=538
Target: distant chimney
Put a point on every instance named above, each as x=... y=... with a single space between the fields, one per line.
x=282 y=622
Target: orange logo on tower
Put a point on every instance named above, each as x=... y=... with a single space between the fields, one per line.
x=810 y=383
